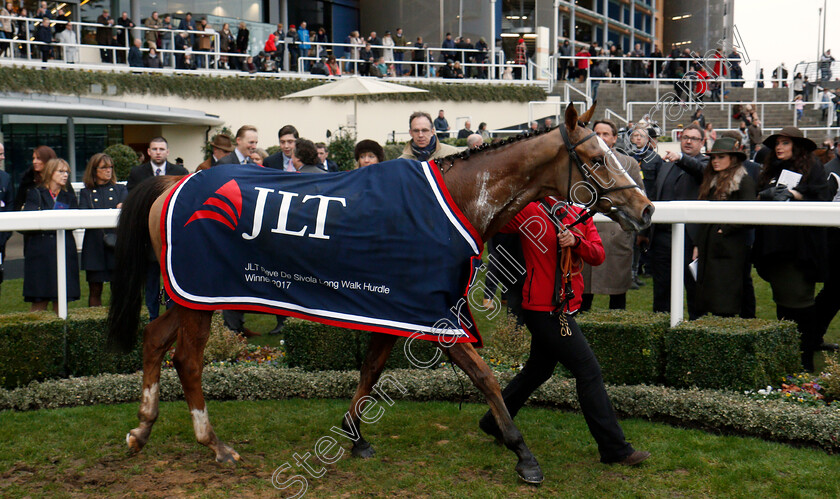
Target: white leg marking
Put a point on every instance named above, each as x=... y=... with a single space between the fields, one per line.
x=149 y=402
x=201 y=424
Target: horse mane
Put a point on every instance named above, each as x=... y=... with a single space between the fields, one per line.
x=469 y=152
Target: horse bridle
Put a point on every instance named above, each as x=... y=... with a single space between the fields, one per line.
x=571 y=149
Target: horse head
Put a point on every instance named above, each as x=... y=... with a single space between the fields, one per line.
x=595 y=177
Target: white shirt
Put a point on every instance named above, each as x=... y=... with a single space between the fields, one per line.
x=155 y=168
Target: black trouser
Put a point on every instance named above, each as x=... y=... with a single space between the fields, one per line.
x=748 y=293
x=617 y=302
x=660 y=260
x=827 y=303
x=809 y=333
x=278 y=57
x=491 y=279
x=152 y=291
x=548 y=348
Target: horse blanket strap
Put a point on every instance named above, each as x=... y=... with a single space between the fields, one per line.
x=383 y=248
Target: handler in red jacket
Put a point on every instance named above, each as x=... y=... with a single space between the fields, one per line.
x=554 y=339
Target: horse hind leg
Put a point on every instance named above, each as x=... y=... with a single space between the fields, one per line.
x=193 y=333
x=465 y=357
x=379 y=349
x=158 y=337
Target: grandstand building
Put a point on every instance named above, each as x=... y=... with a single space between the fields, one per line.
x=695 y=24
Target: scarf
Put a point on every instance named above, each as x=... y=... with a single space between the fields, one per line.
x=424 y=153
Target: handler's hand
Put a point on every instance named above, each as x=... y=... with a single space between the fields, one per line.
x=566 y=239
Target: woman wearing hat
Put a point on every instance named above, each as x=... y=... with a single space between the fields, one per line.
x=723 y=249
x=792 y=258
x=368 y=152
x=221 y=147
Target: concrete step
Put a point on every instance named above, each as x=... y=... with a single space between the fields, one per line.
x=611 y=96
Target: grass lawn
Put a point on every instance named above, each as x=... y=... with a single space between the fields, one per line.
x=423 y=450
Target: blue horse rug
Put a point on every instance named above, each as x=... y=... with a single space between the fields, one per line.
x=382 y=248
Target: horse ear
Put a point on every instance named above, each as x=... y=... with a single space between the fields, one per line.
x=571 y=117
x=587 y=116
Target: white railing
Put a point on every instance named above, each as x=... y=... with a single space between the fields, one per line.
x=665 y=108
x=677 y=213
x=26 y=39
x=612 y=115
x=680 y=213
x=492 y=67
x=816 y=132
x=59 y=220
x=569 y=88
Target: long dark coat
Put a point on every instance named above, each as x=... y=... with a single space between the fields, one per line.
x=805 y=246
x=39 y=266
x=723 y=254
x=95 y=255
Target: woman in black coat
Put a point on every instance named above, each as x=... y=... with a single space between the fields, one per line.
x=723 y=250
x=32 y=177
x=101 y=192
x=793 y=258
x=39 y=266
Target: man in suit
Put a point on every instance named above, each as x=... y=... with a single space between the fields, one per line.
x=679 y=178
x=466 y=131
x=282 y=160
x=324 y=162
x=222 y=145
x=305 y=157
x=157 y=165
x=246 y=144
x=7 y=203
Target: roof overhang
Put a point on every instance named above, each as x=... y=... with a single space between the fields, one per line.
x=82 y=107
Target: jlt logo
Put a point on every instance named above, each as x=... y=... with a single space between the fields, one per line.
x=283 y=216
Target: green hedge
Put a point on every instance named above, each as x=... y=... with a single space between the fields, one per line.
x=629 y=345
x=317 y=347
x=32 y=347
x=61 y=81
x=709 y=409
x=734 y=353
x=632 y=348
x=393 y=151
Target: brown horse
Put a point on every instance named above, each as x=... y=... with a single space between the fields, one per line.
x=490 y=185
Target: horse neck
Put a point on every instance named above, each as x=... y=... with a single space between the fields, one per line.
x=492 y=186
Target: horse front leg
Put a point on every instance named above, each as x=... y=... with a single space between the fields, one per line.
x=379 y=349
x=158 y=337
x=189 y=362
x=465 y=357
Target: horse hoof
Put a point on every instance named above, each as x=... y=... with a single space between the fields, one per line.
x=363 y=452
x=134 y=443
x=227 y=455
x=530 y=472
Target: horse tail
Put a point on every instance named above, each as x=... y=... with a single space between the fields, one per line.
x=131 y=258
